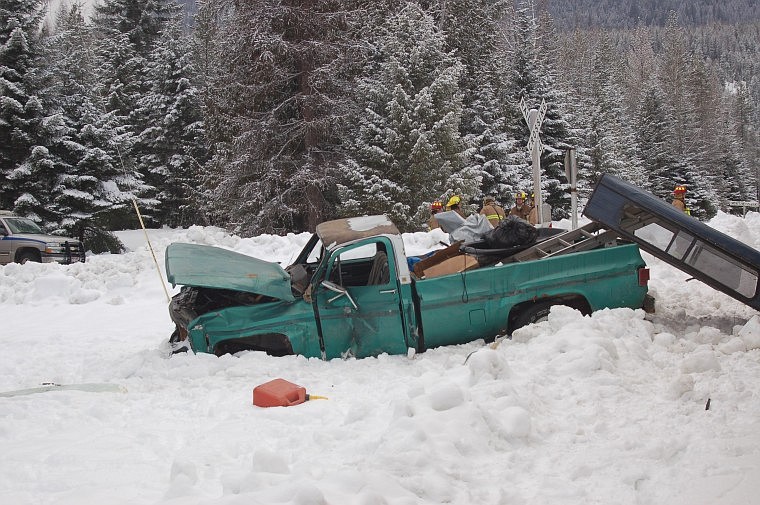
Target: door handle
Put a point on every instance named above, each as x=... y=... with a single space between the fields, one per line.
x=387 y=291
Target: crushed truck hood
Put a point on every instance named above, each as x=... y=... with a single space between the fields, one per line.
x=212 y=267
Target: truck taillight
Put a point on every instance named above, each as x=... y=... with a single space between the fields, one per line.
x=643 y=276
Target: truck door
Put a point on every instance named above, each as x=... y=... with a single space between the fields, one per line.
x=358 y=307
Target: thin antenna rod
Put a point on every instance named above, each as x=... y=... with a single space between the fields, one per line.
x=158 y=269
x=99 y=97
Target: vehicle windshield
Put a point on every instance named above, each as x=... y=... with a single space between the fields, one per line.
x=22 y=225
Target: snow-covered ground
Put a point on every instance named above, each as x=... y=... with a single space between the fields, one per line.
x=607 y=409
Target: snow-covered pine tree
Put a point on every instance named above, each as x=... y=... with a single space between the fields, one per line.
x=675 y=75
x=173 y=143
x=575 y=59
x=127 y=33
x=746 y=128
x=275 y=104
x=531 y=76
x=92 y=190
x=407 y=150
x=492 y=151
x=651 y=141
x=611 y=139
x=472 y=29
x=26 y=165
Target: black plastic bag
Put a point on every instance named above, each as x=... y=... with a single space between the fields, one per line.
x=511 y=232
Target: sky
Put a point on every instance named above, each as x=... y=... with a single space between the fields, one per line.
x=575 y=410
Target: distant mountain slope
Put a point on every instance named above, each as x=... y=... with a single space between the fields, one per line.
x=571 y=14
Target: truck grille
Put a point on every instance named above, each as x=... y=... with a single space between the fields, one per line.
x=73 y=252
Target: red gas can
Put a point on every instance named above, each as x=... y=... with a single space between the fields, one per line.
x=278 y=393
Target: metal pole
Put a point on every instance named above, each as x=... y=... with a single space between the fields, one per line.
x=538 y=200
x=536 y=160
x=571 y=171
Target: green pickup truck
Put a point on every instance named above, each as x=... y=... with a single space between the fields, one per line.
x=351 y=292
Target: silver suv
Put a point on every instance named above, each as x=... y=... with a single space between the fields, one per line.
x=21 y=240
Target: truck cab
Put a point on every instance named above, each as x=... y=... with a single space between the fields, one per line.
x=347 y=293
x=22 y=240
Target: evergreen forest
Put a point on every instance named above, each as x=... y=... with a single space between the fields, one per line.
x=270 y=116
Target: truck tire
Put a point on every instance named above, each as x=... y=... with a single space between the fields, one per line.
x=527 y=313
x=532 y=314
x=29 y=256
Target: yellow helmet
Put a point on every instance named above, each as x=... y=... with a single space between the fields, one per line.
x=520 y=195
x=454 y=200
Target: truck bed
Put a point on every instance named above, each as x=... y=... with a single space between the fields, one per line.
x=588 y=280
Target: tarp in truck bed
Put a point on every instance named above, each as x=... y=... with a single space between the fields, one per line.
x=720 y=261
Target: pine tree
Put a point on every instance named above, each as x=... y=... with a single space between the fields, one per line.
x=173 y=143
x=532 y=78
x=492 y=151
x=128 y=32
x=575 y=58
x=611 y=136
x=92 y=190
x=275 y=106
x=472 y=29
x=651 y=143
x=676 y=74
x=407 y=151
x=26 y=164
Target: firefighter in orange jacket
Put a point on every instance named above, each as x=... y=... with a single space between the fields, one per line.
x=679 y=202
x=521 y=208
x=435 y=208
x=494 y=213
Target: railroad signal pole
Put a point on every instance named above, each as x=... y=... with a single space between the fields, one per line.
x=534 y=118
x=571 y=171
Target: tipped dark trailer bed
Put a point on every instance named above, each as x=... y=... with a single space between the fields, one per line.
x=714 y=258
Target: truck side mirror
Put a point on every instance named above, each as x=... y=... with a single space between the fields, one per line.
x=341 y=292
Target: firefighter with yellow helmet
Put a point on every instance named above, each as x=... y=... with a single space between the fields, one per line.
x=521 y=208
x=455 y=204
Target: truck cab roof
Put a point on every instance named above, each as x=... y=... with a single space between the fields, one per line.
x=342 y=231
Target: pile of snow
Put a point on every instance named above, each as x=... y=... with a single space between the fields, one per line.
x=575 y=410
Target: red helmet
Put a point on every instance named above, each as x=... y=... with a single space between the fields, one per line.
x=679 y=190
x=436 y=205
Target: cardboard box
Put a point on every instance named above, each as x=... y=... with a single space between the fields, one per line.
x=438 y=257
x=451 y=265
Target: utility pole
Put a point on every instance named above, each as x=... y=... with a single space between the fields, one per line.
x=534 y=118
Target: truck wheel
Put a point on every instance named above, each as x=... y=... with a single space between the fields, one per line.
x=532 y=314
x=28 y=256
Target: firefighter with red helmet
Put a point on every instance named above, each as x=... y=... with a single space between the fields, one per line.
x=435 y=208
x=679 y=199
